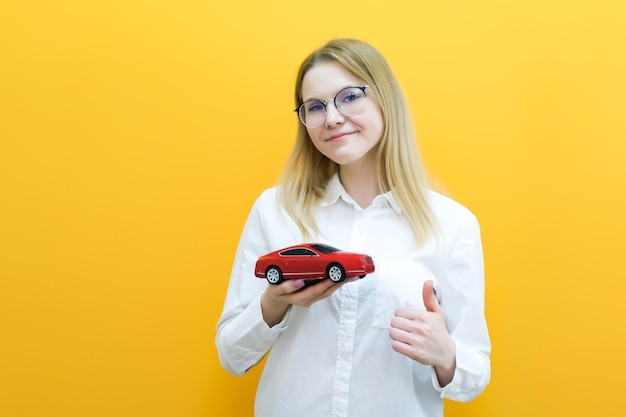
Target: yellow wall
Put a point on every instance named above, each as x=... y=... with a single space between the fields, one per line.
x=135 y=134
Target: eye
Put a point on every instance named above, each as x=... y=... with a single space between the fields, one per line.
x=350 y=94
x=314 y=106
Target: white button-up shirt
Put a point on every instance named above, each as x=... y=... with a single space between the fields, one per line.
x=335 y=358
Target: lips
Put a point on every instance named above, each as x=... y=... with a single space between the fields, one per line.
x=338 y=136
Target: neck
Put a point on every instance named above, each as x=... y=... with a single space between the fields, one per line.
x=361 y=184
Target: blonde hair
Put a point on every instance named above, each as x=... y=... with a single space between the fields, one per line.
x=398 y=165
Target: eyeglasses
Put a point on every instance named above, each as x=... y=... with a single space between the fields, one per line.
x=350 y=102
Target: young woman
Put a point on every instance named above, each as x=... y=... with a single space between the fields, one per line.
x=398 y=341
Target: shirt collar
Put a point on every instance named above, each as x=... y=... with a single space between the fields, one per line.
x=335 y=190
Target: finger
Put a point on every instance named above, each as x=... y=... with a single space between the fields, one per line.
x=309 y=295
x=402 y=323
x=287 y=287
x=296 y=284
x=408 y=313
x=401 y=335
x=430 y=301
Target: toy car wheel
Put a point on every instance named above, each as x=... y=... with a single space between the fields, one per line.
x=273 y=275
x=336 y=273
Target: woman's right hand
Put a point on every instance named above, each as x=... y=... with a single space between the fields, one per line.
x=276 y=299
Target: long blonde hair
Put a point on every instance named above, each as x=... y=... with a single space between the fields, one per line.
x=398 y=165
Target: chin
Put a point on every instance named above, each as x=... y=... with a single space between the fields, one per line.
x=343 y=161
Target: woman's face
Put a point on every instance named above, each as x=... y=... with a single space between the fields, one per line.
x=346 y=140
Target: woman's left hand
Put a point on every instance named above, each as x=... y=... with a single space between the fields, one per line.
x=423 y=336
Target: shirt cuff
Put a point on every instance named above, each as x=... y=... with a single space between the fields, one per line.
x=469 y=379
x=251 y=338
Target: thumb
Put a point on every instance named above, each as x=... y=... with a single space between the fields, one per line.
x=430 y=301
x=296 y=284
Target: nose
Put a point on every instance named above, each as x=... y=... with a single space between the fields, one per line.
x=333 y=115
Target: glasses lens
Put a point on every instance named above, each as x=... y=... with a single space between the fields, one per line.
x=312 y=113
x=351 y=101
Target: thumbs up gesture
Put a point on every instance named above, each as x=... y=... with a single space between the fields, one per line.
x=423 y=335
x=430 y=300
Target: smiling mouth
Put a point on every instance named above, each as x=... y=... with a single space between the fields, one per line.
x=338 y=136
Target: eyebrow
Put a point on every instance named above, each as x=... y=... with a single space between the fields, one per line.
x=335 y=95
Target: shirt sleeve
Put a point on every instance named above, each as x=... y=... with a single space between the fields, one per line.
x=463 y=299
x=243 y=337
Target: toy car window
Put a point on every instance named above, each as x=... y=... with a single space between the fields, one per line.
x=297 y=252
x=324 y=248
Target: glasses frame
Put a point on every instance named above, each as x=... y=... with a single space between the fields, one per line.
x=325 y=104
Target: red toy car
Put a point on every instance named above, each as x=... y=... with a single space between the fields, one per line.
x=312 y=261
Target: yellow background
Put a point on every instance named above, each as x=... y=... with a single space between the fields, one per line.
x=135 y=135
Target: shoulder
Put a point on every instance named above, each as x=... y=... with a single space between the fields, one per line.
x=459 y=226
x=269 y=218
x=268 y=207
x=451 y=214
x=268 y=199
